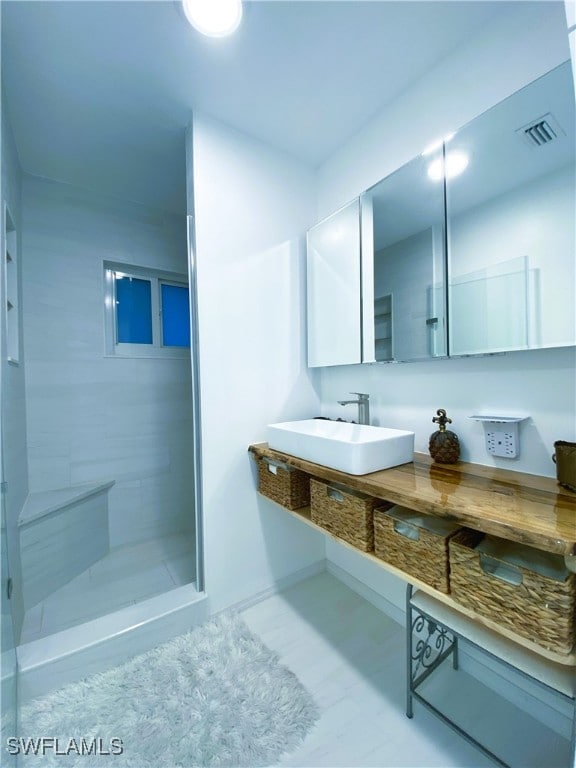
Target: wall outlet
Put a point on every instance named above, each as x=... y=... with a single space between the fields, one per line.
x=501 y=434
x=502 y=442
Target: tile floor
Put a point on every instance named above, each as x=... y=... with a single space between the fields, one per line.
x=125 y=576
x=350 y=656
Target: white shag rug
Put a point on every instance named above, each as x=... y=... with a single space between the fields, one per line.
x=216 y=696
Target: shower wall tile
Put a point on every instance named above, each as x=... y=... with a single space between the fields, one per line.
x=120 y=459
x=93 y=417
x=32 y=624
x=126 y=494
x=150 y=522
x=49 y=460
x=182 y=568
x=50 y=474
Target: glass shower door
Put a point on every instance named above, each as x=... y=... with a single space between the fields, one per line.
x=8 y=665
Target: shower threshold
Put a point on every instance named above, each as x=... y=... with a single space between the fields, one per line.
x=128 y=602
x=125 y=576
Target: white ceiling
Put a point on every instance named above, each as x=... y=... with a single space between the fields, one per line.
x=99 y=93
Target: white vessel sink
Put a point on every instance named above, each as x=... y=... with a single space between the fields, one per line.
x=354 y=448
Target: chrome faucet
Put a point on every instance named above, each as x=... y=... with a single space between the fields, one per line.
x=363 y=404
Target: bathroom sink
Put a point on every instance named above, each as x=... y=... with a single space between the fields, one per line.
x=354 y=448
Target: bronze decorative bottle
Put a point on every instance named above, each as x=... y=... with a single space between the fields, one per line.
x=444 y=445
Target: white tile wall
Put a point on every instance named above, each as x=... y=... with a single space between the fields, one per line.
x=92 y=417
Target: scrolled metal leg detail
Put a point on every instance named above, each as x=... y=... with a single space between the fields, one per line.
x=432 y=642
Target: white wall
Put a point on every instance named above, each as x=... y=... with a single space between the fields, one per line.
x=540 y=384
x=92 y=417
x=252 y=206
x=486 y=69
x=13 y=381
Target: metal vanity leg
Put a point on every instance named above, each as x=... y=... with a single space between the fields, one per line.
x=455 y=661
x=428 y=644
x=409 y=708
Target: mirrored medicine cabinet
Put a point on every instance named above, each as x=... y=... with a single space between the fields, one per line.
x=333 y=289
x=403 y=242
x=468 y=249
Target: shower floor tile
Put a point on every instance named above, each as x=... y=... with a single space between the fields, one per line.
x=125 y=576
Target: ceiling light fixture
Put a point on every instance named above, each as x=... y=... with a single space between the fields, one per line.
x=454 y=163
x=215 y=18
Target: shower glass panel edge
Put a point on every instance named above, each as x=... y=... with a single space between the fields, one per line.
x=194 y=356
x=196 y=406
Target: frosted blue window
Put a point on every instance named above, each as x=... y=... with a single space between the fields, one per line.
x=147 y=312
x=175 y=316
x=133 y=310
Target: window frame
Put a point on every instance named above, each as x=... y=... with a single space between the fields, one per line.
x=157 y=277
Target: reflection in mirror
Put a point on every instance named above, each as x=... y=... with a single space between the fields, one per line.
x=403 y=249
x=511 y=223
x=333 y=287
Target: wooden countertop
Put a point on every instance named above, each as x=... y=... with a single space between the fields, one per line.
x=525 y=508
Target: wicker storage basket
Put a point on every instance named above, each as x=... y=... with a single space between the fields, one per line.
x=283 y=484
x=343 y=512
x=415 y=543
x=512 y=589
x=565 y=459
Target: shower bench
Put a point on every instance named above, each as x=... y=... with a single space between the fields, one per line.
x=62 y=532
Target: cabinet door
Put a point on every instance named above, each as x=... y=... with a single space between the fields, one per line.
x=333 y=289
x=403 y=264
x=512 y=240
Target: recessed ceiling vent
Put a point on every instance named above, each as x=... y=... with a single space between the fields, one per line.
x=541 y=131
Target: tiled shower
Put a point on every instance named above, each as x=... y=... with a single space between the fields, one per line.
x=94 y=418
